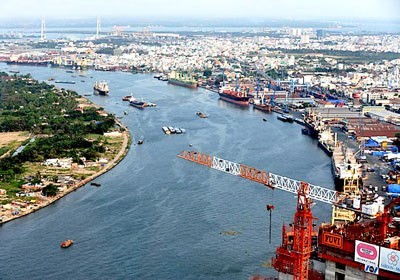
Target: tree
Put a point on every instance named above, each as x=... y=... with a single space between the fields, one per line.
x=50 y=190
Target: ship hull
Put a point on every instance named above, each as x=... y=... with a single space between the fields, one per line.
x=311 y=130
x=100 y=92
x=182 y=84
x=139 y=105
x=264 y=107
x=28 y=63
x=325 y=148
x=242 y=101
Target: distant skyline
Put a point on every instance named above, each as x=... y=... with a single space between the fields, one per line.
x=261 y=9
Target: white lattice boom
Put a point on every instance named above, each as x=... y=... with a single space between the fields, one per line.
x=269 y=179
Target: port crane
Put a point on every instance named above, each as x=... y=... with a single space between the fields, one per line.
x=292 y=257
x=297 y=259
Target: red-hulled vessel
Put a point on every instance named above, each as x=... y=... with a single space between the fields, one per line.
x=234 y=96
x=66 y=243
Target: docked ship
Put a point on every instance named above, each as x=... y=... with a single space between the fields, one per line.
x=101 y=88
x=327 y=141
x=234 y=96
x=262 y=106
x=181 y=79
x=312 y=124
x=345 y=168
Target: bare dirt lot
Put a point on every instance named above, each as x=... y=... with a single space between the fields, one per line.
x=7 y=138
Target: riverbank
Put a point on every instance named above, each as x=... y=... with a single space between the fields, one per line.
x=126 y=140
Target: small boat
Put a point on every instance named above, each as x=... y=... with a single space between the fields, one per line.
x=149 y=104
x=166 y=130
x=265 y=120
x=201 y=115
x=14 y=71
x=178 y=130
x=171 y=129
x=140 y=142
x=305 y=131
x=127 y=98
x=183 y=130
x=95 y=184
x=51 y=79
x=69 y=71
x=66 y=243
x=285 y=118
x=125 y=112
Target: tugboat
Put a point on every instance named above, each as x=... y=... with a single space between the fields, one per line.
x=66 y=243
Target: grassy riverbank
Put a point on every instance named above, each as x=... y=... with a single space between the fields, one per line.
x=71 y=141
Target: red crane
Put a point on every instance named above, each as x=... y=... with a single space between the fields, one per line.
x=292 y=258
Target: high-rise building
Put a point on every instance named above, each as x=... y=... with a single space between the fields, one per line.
x=295 y=32
x=321 y=33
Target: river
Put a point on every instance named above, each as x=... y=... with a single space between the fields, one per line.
x=156 y=216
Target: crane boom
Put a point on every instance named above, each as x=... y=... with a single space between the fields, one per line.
x=266 y=178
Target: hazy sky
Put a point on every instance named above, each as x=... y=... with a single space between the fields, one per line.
x=298 y=9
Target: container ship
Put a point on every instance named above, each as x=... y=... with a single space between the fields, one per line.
x=101 y=88
x=181 y=79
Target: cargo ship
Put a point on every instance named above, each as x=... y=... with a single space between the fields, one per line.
x=137 y=103
x=345 y=168
x=181 y=79
x=101 y=88
x=234 y=96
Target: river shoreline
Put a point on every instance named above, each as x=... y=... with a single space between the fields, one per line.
x=126 y=141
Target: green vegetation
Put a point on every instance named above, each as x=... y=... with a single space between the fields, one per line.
x=60 y=128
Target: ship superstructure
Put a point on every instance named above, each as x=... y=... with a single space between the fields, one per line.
x=101 y=88
x=182 y=79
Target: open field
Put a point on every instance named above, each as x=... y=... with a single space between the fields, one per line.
x=7 y=138
x=11 y=140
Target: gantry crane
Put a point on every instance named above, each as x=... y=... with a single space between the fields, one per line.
x=296 y=260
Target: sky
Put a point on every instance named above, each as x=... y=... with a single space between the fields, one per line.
x=265 y=9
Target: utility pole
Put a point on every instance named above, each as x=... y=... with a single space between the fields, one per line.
x=43 y=29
